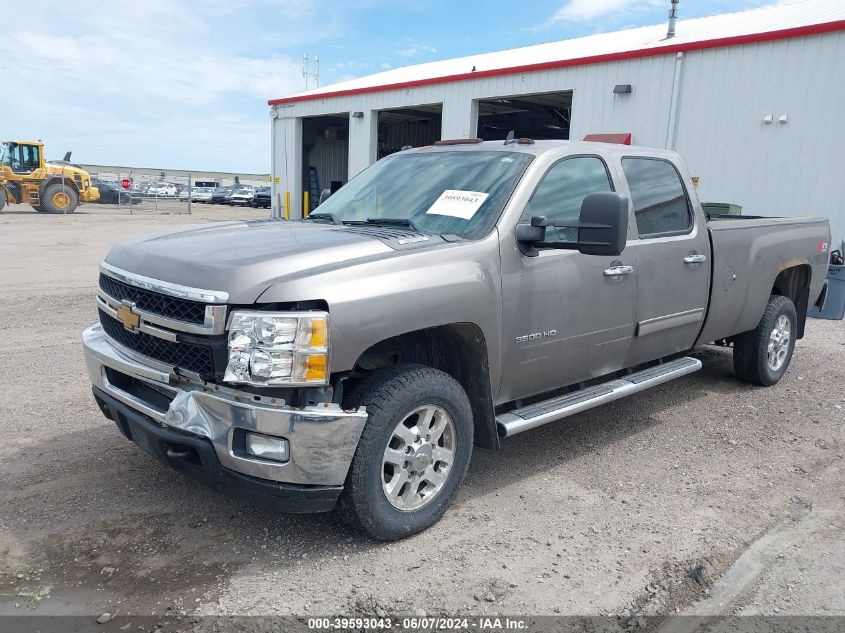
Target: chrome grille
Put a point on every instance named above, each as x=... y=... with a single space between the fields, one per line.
x=163 y=305
x=194 y=357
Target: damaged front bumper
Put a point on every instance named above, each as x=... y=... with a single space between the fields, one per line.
x=199 y=429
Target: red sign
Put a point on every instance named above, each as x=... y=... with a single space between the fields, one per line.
x=125 y=183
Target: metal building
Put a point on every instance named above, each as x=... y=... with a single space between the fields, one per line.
x=754 y=101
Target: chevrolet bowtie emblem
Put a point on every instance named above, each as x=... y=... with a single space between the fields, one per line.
x=130 y=320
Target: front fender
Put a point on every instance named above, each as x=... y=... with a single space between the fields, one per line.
x=372 y=301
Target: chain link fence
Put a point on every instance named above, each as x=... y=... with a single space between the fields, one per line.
x=170 y=193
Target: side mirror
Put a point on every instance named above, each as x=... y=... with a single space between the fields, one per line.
x=604 y=224
x=602 y=227
x=324 y=195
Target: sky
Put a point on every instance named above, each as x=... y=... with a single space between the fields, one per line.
x=184 y=85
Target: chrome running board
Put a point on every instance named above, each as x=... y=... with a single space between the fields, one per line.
x=540 y=413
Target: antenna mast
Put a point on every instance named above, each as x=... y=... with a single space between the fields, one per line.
x=673 y=19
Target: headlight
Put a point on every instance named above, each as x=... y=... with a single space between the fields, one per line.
x=278 y=348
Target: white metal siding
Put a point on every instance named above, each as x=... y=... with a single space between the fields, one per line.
x=722 y=96
x=775 y=169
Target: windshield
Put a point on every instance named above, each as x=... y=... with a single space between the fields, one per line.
x=459 y=192
x=3 y=148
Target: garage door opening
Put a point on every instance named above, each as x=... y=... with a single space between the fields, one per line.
x=539 y=116
x=416 y=126
x=325 y=154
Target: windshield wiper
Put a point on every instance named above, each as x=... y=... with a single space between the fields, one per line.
x=397 y=222
x=324 y=215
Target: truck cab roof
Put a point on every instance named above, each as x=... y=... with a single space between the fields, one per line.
x=538 y=148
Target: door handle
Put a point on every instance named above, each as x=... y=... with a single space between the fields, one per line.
x=695 y=259
x=618 y=271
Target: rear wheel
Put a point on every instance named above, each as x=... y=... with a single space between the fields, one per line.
x=59 y=198
x=413 y=453
x=2 y=199
x=762 y=355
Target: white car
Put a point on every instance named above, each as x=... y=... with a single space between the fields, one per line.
x=201 y=194
x=242 y=196
x=164 y=189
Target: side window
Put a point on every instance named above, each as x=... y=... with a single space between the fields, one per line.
x=15 y=157
x=35 y=159
x=660 y=202
x=563 y=188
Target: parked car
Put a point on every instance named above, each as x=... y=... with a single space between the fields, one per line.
x=242 y=196
x=163 y=190
x=445 y=298
x=262 y=198
x=221 y=195
x=201 y=194
x=111 y=193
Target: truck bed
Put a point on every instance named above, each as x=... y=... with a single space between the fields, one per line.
x=748 y=255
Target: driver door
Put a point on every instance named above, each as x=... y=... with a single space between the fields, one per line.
x=566 y=318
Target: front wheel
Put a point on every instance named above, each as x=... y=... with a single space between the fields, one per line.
x=413 y=453
x=59 y=198
x=762 y=355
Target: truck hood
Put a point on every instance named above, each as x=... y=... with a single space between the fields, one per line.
x=244 y=258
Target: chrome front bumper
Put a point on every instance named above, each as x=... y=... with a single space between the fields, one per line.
x=322 y=438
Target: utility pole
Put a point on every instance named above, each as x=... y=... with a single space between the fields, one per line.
x=305 y=69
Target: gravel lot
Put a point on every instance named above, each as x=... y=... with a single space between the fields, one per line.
x=633 y=509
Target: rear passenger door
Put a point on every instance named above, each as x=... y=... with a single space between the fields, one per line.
x=672 y=258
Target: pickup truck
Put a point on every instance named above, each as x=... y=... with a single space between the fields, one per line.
x=447 y=297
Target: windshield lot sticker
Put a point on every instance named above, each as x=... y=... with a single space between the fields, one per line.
x=458 y=204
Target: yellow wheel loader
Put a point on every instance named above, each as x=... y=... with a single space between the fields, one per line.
x=50 y=187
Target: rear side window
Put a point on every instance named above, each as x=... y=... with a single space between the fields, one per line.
x=563 y=189
x=660 y=202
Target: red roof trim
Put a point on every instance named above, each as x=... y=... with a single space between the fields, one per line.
x=737 y=40
x=623 y=138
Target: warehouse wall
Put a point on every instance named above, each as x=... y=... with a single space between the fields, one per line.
x=775 y=169
x=707 y=104
x=595 y=108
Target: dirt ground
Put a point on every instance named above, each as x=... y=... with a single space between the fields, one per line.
x=703 y=495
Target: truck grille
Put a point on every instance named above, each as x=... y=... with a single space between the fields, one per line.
x=162 y=305
x=195 y=357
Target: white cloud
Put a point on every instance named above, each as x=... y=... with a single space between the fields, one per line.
x=416 y=49
x=146 y=84
x=586 y=10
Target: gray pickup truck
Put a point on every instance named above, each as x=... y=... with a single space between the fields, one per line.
x=445 y=298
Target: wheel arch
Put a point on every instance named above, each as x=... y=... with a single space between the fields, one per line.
x=794 y=283
x=53 y=180
x=458 y=349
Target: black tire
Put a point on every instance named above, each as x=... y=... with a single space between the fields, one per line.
x=751 y=349
x=390 y=395
x=2 y=199
x=48 y=198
